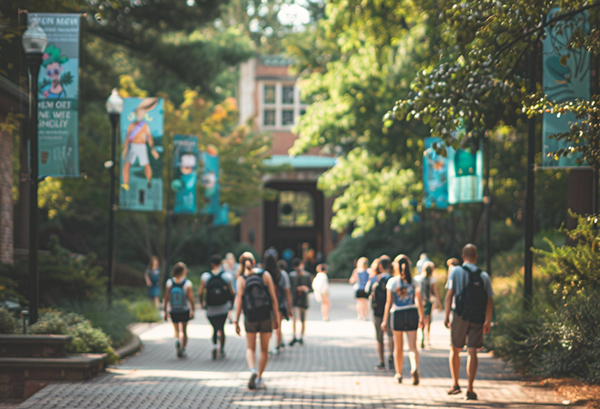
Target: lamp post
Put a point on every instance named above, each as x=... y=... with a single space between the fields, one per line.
x=114 y=107
x=34 y=44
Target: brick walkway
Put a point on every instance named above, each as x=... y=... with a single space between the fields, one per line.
x=334 y=369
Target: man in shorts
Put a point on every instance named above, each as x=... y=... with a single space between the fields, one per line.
x=462 y=331
x=301 y=283
x=179 y=298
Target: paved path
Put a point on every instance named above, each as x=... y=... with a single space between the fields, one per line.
x=334 y=369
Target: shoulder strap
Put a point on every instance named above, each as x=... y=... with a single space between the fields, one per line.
x=136 y=129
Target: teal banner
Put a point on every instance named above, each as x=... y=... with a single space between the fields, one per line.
x=185 y=174
x=58 y=96
x=141 y=160
x=210 y=180
x=465 y=176
x=566 y=78
x=435 y=176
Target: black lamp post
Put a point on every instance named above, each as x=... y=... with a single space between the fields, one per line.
x=34 y=43
x=114 y=107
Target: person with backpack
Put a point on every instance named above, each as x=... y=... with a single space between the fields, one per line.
x=216 y=294
x=428 y=285
x=179 y=298
x=469 y=295
x=256 y=296
x=285 y=303
x=301 y=283
x=359 y=279
x=320 y=286
x=376 y=288
x=404 y=303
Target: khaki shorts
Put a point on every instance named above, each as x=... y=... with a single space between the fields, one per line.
x=464 y=332
x=299 y=313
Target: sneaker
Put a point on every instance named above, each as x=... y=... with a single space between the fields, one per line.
x=282 y=344
x=260 y=384
x=301 y=341
x=252 y=381
x=278 y=350
x=455 y=390
x=415 y=377
x=398 y=378
x=178 y=348
x=381 y=366
x=181 y=353
x=214 y=354
x=471 y=396
x=293 y=341
x=391 y=363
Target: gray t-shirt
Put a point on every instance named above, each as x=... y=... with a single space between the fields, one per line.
x=459 y=278
x=214 y=310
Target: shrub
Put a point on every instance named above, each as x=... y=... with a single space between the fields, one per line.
x=7 y=322
x=144 y=311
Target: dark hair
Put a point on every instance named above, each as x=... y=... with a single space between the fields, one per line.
x=243 y=260
x=322 y=268
x=271 y=266
x=178 y=269
x=151 y=262
x=215 y=260
x=384 y=263
x=296 y=262
x=404 y=266
x=282 y=264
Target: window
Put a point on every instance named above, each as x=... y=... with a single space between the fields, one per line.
x=287 y=117
x=269 y=117
x=296 y=209
x=269 y=96
x=287 y=94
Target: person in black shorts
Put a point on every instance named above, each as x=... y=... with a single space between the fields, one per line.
x=179 y=298
x=301 y=283
x=256 y=295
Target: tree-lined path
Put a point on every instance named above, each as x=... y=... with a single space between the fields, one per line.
x=334 y=369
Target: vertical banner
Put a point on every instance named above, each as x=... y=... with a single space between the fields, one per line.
x=566 y=78
x=465 y=176
x=141 y=160
x=58 y=97
x=210 y=180
x=435 y=176
x=222 y=217
x=185 y=174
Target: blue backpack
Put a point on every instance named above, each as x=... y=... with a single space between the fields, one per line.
x=177 y=298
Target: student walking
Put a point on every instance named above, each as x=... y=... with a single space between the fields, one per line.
x=179 y=298
x=376 y=288
x=216 y=293
x=285 y=303
x=152 y=277
x=231 y=266
x=320 y=286
x=404 y=303
x=359 y=279
x=300 y=281
x=469 y=294
x=256 y=295
x=429 y=295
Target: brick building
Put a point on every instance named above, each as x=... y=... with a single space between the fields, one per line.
x=269 y=94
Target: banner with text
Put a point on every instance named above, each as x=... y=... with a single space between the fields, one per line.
x=185 y=174
x=435 y=176
x=141 y=160
x=58 y=96
x=566 y=78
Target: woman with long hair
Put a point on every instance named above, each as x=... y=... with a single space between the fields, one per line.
x=359 y=279
x=427 y=284
x=404 y=303
x=152 y=277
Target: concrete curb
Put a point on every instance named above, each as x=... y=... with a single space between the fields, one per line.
x=132 y=347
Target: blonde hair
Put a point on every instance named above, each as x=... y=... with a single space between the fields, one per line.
x=428 y=267
x=243 y=261
x=362 y=263
x=151 y=263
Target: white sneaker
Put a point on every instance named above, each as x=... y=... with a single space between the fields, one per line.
x=260 y=384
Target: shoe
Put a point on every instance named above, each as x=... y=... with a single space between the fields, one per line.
x=252 y=381
x=471 y=396
x=149 y=183
x=391 y=363
x=178 y=348
x=260 y=384
x=221 y=354
x=293 y=341
x=398 y=378
x=181 y=353
x=125 y=186
x=214 y=354
x=455 y=390
x=381 y=366
x=301 y=341
x=278 y=350
x=282 y=344
x=415 y=377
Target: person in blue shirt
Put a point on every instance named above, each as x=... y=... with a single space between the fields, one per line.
x=152 y=277
x=359 y=279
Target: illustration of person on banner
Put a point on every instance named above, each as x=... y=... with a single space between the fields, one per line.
x=138 y=136
x=54 y=85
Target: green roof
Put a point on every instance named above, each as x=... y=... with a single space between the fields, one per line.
x=275 y=61
x=302 y=161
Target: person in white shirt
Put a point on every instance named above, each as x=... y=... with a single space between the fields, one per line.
x=320 y=286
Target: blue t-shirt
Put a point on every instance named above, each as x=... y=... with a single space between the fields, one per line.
x=363 y=278
x=403 y=293
x=154 y=276
x=373 y=280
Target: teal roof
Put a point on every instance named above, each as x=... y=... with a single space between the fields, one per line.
x=302 y=161
x=275 y=60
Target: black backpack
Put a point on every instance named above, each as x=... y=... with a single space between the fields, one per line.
x=256 y=300
x=471 y=303
x=379 y=296
x=217 y=290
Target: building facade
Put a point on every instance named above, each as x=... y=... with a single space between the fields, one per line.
x=300 y=217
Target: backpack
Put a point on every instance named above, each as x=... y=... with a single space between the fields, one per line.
x=217 y=290
x=256 y=300
x=471 y=303
x=425 y=289
x=280 y=292
x=379 y=296
x=177 y=297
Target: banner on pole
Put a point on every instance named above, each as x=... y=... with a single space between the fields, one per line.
x=58 y=96
x=435 y=176
x=141 y=160
x=210 y=180
x=566 y=77
x=185 y=174
x=465 y=176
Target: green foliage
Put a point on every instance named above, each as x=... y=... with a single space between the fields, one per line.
x=575 y=269
x=86 y=338
x=7 y=322
x=144 y=311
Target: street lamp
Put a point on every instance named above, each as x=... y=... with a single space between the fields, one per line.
x=114 y=107
x=34 y=43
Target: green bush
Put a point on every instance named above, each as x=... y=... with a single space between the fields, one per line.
x=7 y=322
x=144 y=311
